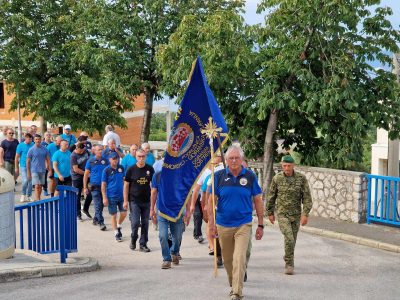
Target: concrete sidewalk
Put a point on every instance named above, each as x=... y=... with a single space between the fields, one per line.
x=27 y=264
x=372 y=235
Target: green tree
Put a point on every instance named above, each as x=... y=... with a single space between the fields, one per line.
x=319 y=79
x=56 y=70
x=305 y=77
x=139 y=27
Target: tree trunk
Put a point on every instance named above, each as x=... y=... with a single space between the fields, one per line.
x=268 y=160
x=148 y=109
x=43 y=126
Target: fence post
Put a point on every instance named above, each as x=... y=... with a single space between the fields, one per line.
x=369 y=200
x=63 y=253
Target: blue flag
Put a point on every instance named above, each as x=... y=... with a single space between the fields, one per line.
x=188 y=150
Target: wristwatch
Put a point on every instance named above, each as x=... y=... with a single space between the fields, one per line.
x=261 y=226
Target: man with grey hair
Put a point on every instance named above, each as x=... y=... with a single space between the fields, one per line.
x=110 y=134
x=150 y=159
x=235 y=189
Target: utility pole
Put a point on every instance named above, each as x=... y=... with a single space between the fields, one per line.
x=393 y=145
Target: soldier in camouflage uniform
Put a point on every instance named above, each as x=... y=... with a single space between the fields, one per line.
x=288 y=191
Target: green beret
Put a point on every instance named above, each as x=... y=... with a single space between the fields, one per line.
x=287 y=159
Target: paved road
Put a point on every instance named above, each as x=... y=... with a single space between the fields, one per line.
x=325 y=269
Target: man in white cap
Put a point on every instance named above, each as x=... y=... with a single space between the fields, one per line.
x=68 y=136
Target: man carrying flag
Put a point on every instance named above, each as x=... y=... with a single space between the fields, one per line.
x=188 y=150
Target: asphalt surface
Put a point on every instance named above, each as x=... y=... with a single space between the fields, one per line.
x=325 y=269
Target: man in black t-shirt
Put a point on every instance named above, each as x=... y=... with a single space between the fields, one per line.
x=78 y=161
x=137 y=193
x=8 y=150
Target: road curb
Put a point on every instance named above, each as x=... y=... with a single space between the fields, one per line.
x=76 y=266
x=347 y=238
x=352 y=239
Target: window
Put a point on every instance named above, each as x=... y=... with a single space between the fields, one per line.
x=2 y=95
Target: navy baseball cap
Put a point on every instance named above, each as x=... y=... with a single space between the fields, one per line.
x=113 y=155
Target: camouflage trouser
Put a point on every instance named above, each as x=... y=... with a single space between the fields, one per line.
x=289 y=227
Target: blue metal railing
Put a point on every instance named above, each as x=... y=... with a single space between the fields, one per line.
x=51 y=224
x=383 y=200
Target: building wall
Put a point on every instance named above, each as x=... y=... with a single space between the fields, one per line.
x=336 y=194
x=10 y=118
x=128 y=136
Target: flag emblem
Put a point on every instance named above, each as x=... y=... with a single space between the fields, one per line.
x=181 y=140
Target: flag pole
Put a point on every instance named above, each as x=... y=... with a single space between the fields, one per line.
x=213 y=132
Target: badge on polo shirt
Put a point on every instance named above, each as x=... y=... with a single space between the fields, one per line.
x=243 y=181
x=120 y=170
x=103 y=162
x=147 y=172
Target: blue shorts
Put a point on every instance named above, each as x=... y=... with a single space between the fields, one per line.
x=115 y=204
x=38 y=178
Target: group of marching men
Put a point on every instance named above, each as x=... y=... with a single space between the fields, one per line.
x=236 y=193
x=104 y=175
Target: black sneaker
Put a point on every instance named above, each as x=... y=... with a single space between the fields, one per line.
x=118 y=238
x=245 y=276
x=79 y=217
x=86 y=213
x=103 y=227
x=119 y=232
x=144 y=249
x=95 y=221
x=132 y=245
x=219 y=262
x=200 y=239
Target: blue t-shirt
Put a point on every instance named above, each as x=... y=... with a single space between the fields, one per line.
x=22 y=150
x=128 y=161
x=38 y=157
x=71 y=139
x=204 y=186
x=235 y=205
x=114 y=178
x=63 y=160
x=52 y=149
x=96 y=167
x=150 y=160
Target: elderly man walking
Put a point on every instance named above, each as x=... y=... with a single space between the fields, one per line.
x=235 y=189
x=110 y=134
x=288 y=191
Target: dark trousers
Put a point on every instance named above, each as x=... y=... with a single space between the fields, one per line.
x=45 y=181
x=197 y=219
x=139 y=214
x=78 y=183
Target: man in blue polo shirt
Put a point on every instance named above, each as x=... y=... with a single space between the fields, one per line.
x=235 y=188
x=94 y=170
x=112 y=184
x=37 y=163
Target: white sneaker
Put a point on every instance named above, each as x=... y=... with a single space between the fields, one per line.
x=30 y=199
x=22 y=199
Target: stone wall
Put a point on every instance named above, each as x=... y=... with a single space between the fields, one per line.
x=336 y=194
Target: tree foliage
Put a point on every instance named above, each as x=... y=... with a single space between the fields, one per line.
x=309 y=64
x=59 y=71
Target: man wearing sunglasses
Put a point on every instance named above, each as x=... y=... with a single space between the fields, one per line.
x=137 y=194
x=7 y=152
